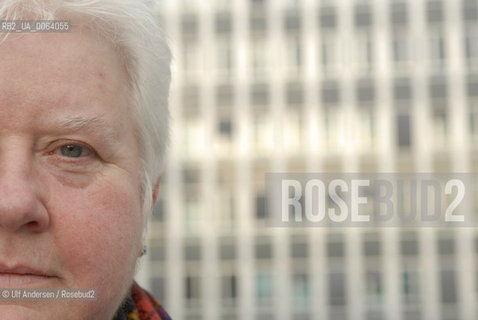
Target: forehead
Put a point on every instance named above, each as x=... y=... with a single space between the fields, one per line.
x=64 y=74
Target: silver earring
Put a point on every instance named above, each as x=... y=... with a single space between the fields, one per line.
x=144 y=250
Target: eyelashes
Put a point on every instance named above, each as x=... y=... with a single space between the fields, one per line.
x=72 y=150
x=73 y=156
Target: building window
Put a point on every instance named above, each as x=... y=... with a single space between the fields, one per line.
x=188 y=4
x=330 y=93
x=337 y=290
x=191 y=218
x=263 y=287
x=437 y=50
x=189 y=25
x=158 y=251
x=365 y=91
x=440 y=128
x=227 y=216
x=292 y=21
x=300 y=291
x=472 y=86
x=158 y=210
x=366 y=133
x=224 y=60
x=448 y=287
x=263 y=249
x=402 y=89
x=225 y=97
x=292 y=4
x=471 y=46
x=192 y=290
x=470 y=10
x=476 y=275
x=399 y=13
x=258 y=20
x=193 y=138
x=473 y=123
x=293 y=56
x=334 y=129
x=363 y=15
x=335 y=248
x=404 y=131
x=223 y=5
x=295 y=94
x=192 y=252
x=229 y=288
x=434 y=11
x=260 y=94
x=410 y=287
x=191 y=59
x=331 y=53
x=263 y=133
x=227 y=249
x=299 y=248
x=364 y=51
x=409 y=246
x=223 y=144
x=190 y=102
x=190 y=175
x=292 y=131
x=158 y=287
x=401 y=49
x=372 y=248
x=328 y=17
x=261 y=207
x=373 y=282
x=223 y=23
x=446 y=247
x=438 y=89
x=259 y=61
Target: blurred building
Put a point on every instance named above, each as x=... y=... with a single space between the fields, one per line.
x=313 y=86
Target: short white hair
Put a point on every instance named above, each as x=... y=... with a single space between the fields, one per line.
x=130 y=25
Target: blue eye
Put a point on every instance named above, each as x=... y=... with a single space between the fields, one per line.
x=72 y=151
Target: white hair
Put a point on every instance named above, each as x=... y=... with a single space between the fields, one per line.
x=131 y=27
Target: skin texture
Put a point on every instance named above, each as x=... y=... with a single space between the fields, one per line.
x=76 y=220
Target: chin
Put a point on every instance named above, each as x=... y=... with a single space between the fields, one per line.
x=51 y=311
x=18 y=312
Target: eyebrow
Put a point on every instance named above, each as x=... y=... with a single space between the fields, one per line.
x=96 y=125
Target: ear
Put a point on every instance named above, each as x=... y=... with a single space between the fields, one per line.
x=155 y=192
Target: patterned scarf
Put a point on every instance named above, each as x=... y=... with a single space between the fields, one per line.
x=140 y=305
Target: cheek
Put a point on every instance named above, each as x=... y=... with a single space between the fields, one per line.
x=97 y=228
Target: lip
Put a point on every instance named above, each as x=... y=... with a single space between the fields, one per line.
x=20 y=276
x=21 y=270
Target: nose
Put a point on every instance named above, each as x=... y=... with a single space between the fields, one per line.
x=21 y=208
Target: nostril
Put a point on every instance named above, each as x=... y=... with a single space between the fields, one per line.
x=21 y=207
x=32 y=224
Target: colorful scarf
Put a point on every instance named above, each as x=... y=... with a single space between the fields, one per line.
x=140 y=305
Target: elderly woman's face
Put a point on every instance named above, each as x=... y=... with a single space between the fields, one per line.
x=70 y=211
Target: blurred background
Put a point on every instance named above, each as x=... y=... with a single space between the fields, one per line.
x=312 y=86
